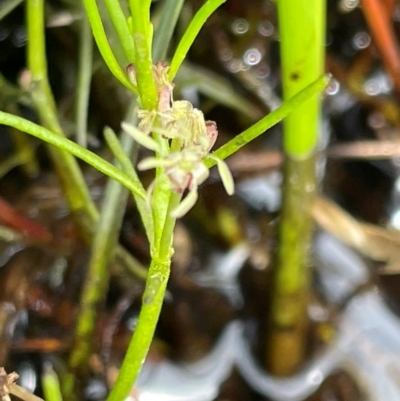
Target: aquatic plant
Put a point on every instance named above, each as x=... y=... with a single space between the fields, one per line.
x=174 y=130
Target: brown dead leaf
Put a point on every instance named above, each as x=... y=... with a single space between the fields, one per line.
x=378 y=243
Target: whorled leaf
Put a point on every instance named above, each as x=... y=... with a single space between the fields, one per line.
x=188 y=202
x=141 y=138
x=226 y=176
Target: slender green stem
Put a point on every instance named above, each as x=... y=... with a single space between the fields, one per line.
x=24 y=150
x=103 y=45
x=84 y=78
x=171 y=10
x=96 y=281
x=67 y=168
x=142 y=36
x=153 y=297
x=36 y=55
x=71 y=147
x=191 y=33
x=125 y=163
x=9 y=163
x=120 y=23
x=8 y=6
x=167 y=235
x=144 y=331
x=132 y=265
x=268 y=121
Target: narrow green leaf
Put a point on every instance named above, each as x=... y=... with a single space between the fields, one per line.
x=170 y=12
x=268 y=121
x=85 y=69
x=191 y=33
x=103 y=45
x=120 y=23
x=64 y=143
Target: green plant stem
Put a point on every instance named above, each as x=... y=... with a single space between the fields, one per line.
x=132 y=265
x=302 y=32
x=288 y=328
x=191 y=33
x=157 y=279
x=96 y=281
x=142 y=36
x=24 y=150
x=67 y=169
x=153 y=297
x=84 y=78
x=125 y=163
x=144 y=331
x=269 y=120
x=8 y=6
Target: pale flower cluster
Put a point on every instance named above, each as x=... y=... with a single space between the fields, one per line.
x=190 y=139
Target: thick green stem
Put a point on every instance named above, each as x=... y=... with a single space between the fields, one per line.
x=289 y=321
x=302 y=32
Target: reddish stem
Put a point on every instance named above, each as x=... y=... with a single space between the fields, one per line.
x=376 y=14
x=27 y=227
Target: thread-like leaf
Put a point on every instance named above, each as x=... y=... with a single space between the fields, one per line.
x=188 y=202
